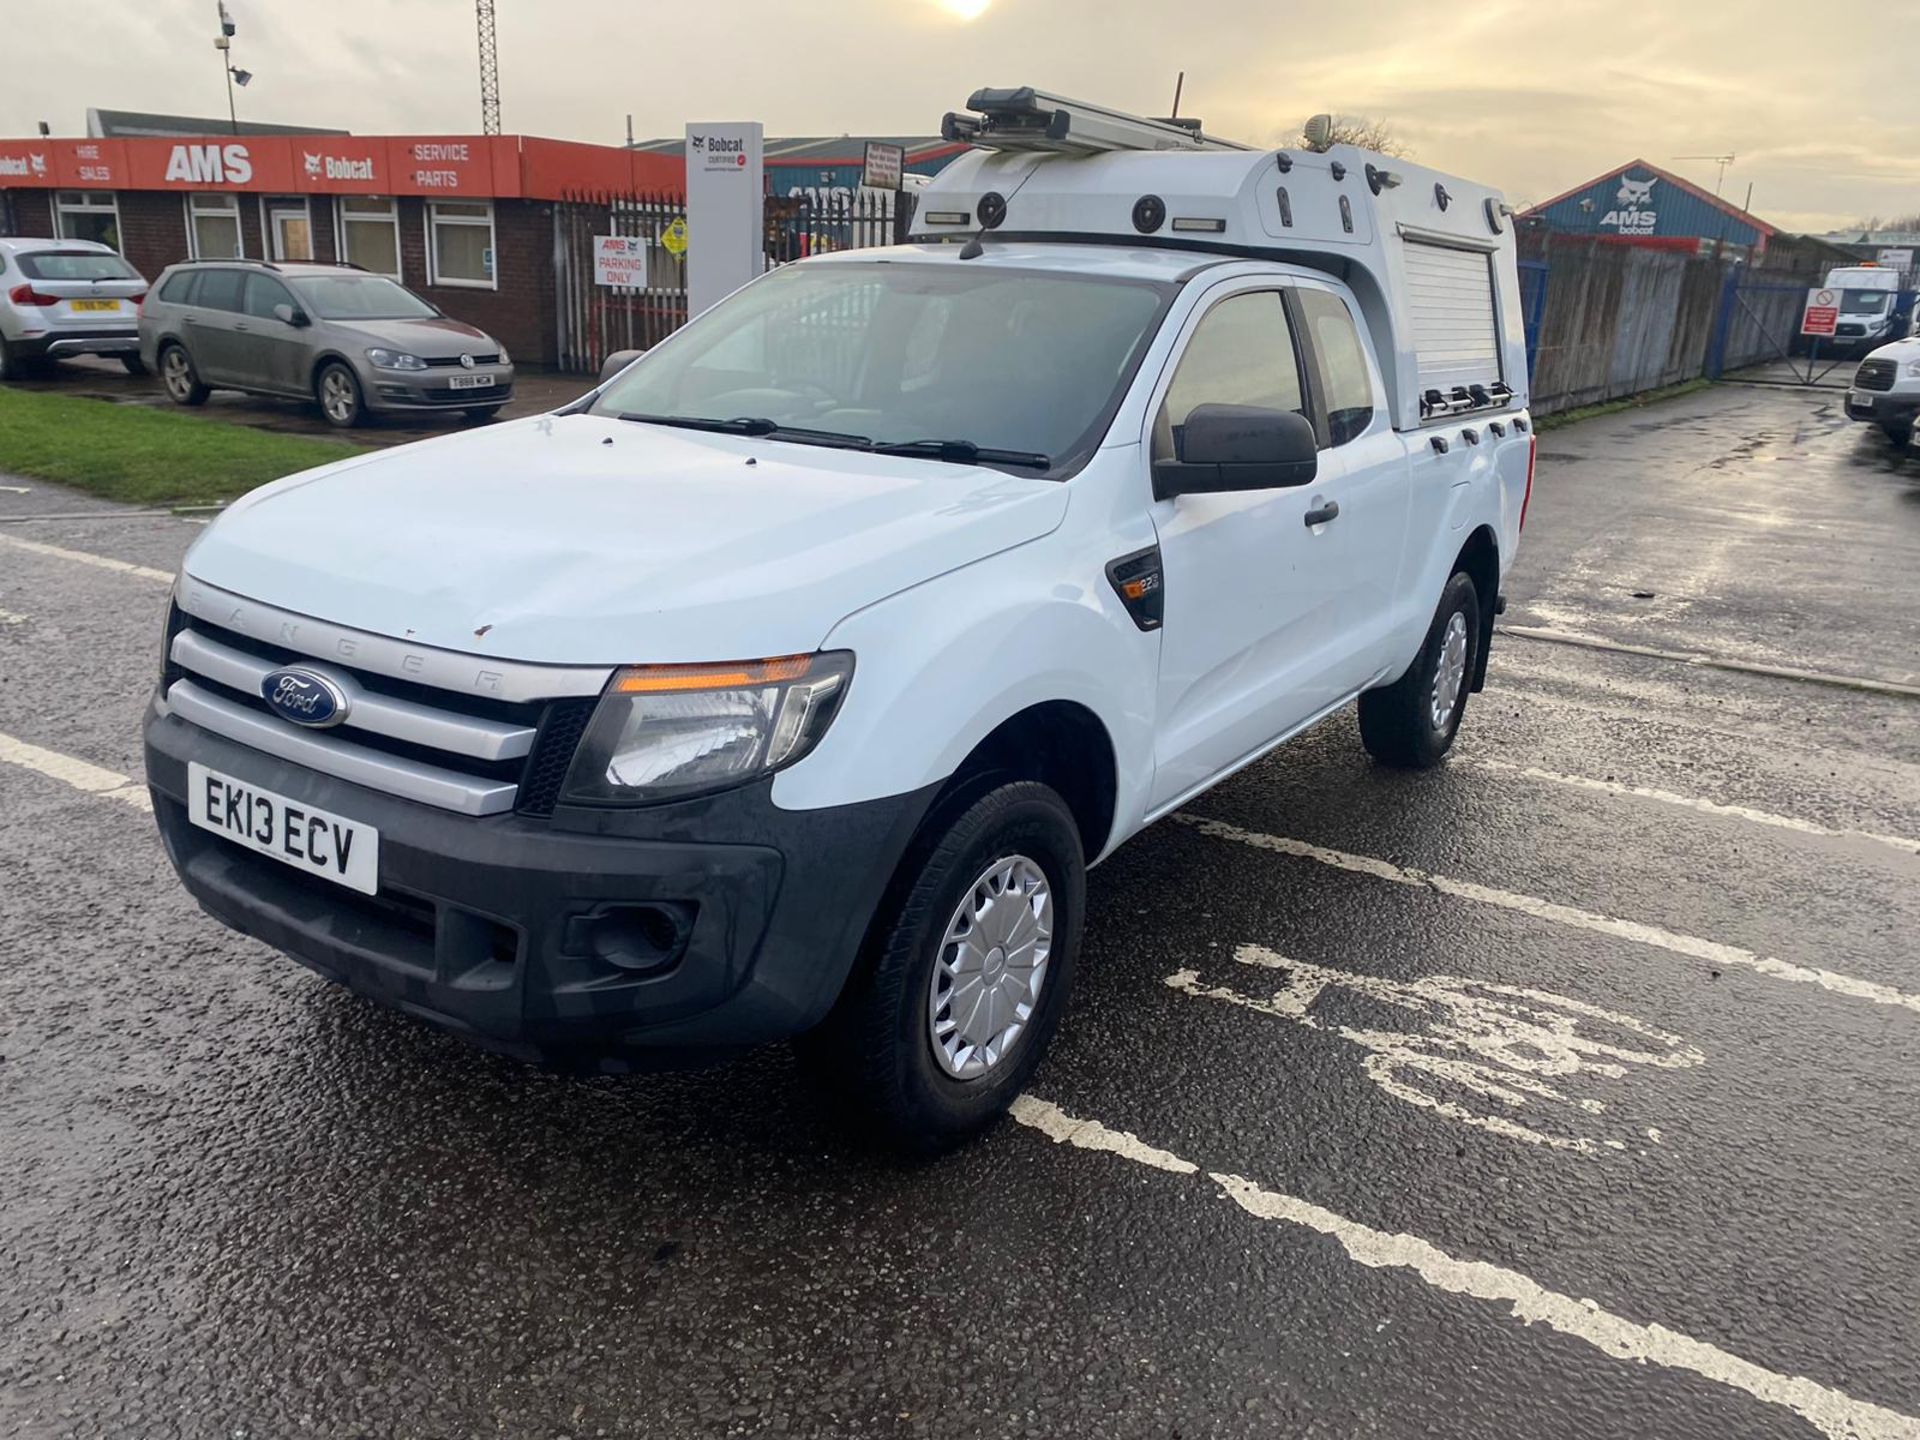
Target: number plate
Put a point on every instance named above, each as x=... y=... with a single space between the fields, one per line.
x=470 y=382
x=112 y=306
x=330 y=846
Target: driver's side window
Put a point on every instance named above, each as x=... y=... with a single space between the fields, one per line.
x=1242 y=353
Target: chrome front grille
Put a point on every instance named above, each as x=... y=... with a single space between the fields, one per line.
x=458 y=732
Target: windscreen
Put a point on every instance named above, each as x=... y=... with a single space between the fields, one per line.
x=359 y=297
x=1864 y=302
x=74 y=265
x=898 y=352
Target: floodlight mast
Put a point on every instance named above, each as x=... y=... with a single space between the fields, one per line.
x=1032 y=120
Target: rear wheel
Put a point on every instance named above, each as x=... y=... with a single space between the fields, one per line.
x=1411 y=723
x=338 y=392
x=9 y=362
x=180 y=378
x=966 y=973
x=135 y=365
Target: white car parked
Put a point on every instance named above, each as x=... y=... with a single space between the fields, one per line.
x=67 y=297
x=788 y=684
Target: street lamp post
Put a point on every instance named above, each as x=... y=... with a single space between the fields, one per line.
x=223 y=46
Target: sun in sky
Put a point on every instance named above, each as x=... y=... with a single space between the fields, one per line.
x=964 y=9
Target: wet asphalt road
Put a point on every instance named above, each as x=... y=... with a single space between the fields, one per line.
x=236 y=1202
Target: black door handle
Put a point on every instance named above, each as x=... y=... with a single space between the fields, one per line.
x=1324 y=513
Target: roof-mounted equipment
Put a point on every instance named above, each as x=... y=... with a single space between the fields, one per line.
x=1032 y=120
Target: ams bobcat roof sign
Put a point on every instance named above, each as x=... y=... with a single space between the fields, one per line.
x=1642 y=204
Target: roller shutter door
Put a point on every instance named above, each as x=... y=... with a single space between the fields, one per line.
x=1450 y=296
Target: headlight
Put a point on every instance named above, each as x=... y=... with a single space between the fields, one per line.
x=1911 y=368
x=505 y=358
x=396 y=360
x=666 y=731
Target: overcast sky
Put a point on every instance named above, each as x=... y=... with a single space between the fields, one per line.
x=1533 y=97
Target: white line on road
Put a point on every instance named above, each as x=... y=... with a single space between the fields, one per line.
x=1832 y=1412
x=108 y=784
x=1713 y=952
x=1707 y=807
x=1714 y=662
x=81 y=557
x=12 y=617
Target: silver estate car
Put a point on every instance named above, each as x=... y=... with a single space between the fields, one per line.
x=355 y=343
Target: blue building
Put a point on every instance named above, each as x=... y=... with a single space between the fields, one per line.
x=1641 y=204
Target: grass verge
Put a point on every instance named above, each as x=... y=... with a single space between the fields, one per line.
x=144 y=456
x=1614 y=407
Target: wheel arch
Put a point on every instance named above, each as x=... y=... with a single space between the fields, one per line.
x=324 y=359
x=1479 y=560
x=1061 y=744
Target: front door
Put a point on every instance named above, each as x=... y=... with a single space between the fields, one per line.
x=292 y=235
x=1277 y=601
x=273 y=352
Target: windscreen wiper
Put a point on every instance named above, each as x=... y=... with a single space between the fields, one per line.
x=965 y=452
x=757 y=426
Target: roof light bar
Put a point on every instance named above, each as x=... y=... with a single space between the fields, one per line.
x=1032 y=120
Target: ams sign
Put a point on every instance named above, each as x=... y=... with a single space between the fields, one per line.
x=209 y=165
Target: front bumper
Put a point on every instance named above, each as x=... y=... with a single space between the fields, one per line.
x=387 y=390
x=498 y=928
x=1883 y=407
x=55 y=343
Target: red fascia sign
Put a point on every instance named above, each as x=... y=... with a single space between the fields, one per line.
x=1822 y=313
x=483 y=166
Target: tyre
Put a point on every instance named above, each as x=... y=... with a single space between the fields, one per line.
x=1900 y=432
x=481 y=414
x=182 y=381
x=134 y=364
x=965 y=972
x=9 y=362
x=338 y=391
x=1411 y=723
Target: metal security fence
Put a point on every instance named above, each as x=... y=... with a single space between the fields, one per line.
x=596 y=320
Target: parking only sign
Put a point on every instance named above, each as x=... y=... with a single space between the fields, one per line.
x=1822 y=313
x=620 y=261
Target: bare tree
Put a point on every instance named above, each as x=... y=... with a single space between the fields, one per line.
x=1367 y=133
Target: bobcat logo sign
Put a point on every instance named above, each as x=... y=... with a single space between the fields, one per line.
x=312 y=164
x=209 y=165
x=1635 y=215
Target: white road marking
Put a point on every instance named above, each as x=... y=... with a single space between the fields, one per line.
x=1904 y=844
x=1713 y=952
x=12 y=617
x=1832 y=1412
x=91 y=779
x=16 y=489
x=82 y=557
x=1494 y=1041
x=1584 y=641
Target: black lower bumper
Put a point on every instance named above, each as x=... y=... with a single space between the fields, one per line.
x=388 y=395
x=603 y=938
x=1882 y=409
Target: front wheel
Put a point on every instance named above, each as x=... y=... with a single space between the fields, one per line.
x=338 y=391
x=1411 y=723
x=966 y=971
x=1900 y=432
x=134 y=364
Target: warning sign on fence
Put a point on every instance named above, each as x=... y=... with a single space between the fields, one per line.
x=620 y=261
x=674 y=237
x=1822 y=314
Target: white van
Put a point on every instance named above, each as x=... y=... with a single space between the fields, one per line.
x=1869 y=314
x=788 y=684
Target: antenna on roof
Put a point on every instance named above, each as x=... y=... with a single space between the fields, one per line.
x=1178 y=86
x=1723 y=161
x=1031 y=120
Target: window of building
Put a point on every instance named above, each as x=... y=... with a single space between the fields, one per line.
x=460 y=243
x=370 y=234
x=213 y=227
x=1241 y=354
x=88 y=215
x=1343 y=365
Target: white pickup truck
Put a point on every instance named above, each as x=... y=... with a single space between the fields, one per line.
x=788 y=684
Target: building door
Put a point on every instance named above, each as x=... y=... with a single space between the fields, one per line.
x=292 y=229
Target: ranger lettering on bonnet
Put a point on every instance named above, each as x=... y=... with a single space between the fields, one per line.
x=798 y=695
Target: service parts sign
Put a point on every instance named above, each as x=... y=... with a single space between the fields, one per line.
x=620 y=261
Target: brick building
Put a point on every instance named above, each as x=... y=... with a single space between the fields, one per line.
x=465 y=220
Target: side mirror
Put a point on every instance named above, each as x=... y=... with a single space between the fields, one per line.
x=617 y=362
x=1225 y=448
x=288 y=315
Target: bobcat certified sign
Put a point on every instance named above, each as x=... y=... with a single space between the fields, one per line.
x=1822 y=313
x=726 y=216
x=1633 y=212
x=620 y=261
